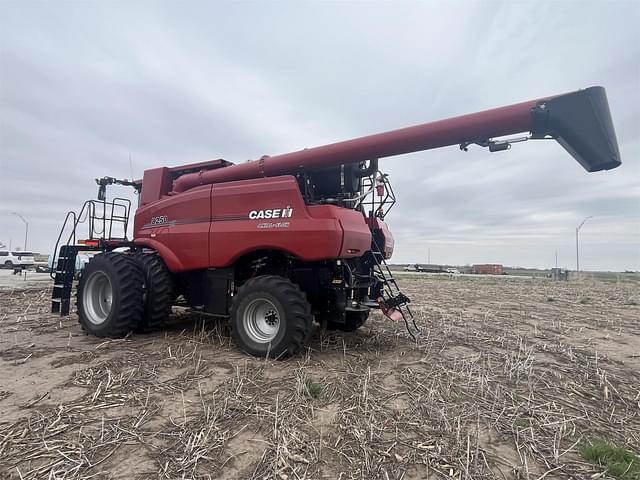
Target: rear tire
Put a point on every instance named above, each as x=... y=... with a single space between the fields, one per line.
x=158 y=291
x=353 y=321
x=270 y=316
x=110 y=295
x=8 y=264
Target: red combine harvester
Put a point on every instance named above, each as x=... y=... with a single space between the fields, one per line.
x=276 y=243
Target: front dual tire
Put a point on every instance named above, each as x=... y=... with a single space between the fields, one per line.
x=119 y=293
x=110 y=295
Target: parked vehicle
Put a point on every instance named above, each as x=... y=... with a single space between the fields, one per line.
x=413 y=268
x=416 y=267
x=82 y=259
x=9 y=259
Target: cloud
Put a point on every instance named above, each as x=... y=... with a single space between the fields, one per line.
x=86 y=86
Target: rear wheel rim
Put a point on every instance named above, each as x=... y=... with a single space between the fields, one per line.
x=97 y=298
x=261 y=320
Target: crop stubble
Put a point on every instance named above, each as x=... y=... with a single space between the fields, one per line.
x=506 y=381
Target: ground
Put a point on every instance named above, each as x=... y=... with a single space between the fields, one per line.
x=509 y=379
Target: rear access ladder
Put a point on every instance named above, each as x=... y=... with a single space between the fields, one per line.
x=63 y=280
x=101 y=221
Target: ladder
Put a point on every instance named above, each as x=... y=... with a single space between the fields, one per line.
x=101 y=217
x=393 y=303
x=63 y=280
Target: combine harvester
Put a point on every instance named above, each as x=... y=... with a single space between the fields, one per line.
x=274 y=243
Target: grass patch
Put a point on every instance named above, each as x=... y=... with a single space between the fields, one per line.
x=521 y=423
x=551 y=299
x=619 y=462
x=584 y=300
x=312 y=389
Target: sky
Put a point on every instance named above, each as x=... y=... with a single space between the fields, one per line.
x=89 y=89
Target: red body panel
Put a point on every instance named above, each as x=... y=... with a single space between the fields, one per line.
x=388 y=242
x=159 y=181
x=178 y=228
x=214 y=225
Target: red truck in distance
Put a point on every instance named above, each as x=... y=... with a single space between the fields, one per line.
x=487 y=269
x=278 y=243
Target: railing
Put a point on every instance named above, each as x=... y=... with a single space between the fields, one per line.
x=379 y=197
x=118 y=208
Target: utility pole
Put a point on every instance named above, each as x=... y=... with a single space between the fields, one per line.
x=26 y=228
x=577 y=243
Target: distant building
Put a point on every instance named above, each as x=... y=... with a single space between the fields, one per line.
x=488 y=269
x=559 y=274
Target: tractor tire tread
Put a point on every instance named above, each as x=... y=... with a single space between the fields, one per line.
x=129 y=308
x=296 y=299
x=159 y=289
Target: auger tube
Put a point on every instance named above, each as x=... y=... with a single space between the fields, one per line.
x=580 y=121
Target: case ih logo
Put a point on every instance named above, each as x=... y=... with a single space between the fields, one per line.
x=271 y=213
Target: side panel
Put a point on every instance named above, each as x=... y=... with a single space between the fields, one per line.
x=384 y=237
x=178 y=228
x=269 y=213
x=213 y=225
x=156 y=182
x=356 y=234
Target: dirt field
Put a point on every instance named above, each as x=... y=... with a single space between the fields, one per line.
x=508 y=380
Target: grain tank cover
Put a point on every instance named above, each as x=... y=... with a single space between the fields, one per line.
x=580 y=122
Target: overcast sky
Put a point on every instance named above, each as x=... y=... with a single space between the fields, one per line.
x=86 y=85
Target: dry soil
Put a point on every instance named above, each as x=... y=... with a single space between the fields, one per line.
x=507 y=380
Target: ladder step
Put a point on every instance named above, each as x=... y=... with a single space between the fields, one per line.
x=60 y=305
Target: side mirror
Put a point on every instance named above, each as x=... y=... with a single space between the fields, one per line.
x=102 y=193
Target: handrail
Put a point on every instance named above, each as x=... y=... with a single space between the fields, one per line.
x=77 y=219
x=88 y=214
x=126 y=206
x=369 y=198
x=71 y=235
